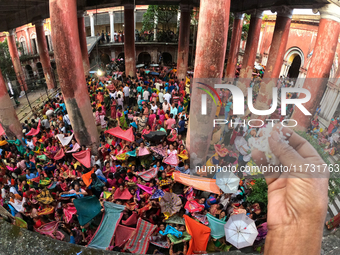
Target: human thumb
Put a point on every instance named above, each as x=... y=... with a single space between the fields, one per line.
x=283 y=151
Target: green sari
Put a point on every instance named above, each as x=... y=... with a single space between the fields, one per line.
x=18 y=144
x=122 y=121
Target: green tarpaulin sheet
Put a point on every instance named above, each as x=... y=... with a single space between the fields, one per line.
x=216 y=226
x=87 y=208
x=104 y=234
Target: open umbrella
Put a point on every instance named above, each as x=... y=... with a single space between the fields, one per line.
x=240 y=231
x=155 y=136
x=258 y=67
x=154 y=73
x=170 y=204
x=227 y=181
x=140 y=65
x=154 y=65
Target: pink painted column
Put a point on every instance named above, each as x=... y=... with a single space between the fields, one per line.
x=12 y=46
x=8 y=117
x=44 y=55
x=234 y=45
x=249 y=56
x=209 y=63
x=69 y=63
x=129 y=40
x=321 y=62
x=183 y=42
x=275 y=58
x=83 y=43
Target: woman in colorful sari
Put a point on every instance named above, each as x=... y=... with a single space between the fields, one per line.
x=107 y=101
x=39 y=148
x=108 y=169
x=333 y=126
x=99 y=112
x=18 y=144
x=160 y=150
x=113 y=109
x=182 y=153
x=153 y=97
x=173 y=134
x=121 y=119
x=146 y=130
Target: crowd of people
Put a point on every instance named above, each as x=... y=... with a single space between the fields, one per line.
x=53 y=185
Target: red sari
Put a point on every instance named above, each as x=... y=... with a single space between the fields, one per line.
x=113 y=109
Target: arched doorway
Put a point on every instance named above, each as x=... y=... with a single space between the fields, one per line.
x=121 y=55
x=144 y=57
x=295 y=57
x=294 y=69
x=29 y=72
x=167 y=58
x=105 y=59
x=40 y=70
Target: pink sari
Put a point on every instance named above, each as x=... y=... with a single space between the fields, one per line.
x=50 y=229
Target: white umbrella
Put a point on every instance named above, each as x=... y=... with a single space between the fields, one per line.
x=227 y=181
x=258 y=67
x=140 y=65
x=154 y=65
x=240 y=231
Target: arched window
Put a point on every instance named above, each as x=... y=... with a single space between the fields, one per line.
x=34 y=43
x=23 y=45
x=48 y=40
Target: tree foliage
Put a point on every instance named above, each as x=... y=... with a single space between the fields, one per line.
x=6 y=65
x=245 y=27
x=259 y=192
x=163 y=14
x=334 y=180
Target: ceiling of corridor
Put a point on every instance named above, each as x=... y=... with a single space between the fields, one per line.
x=15 y=13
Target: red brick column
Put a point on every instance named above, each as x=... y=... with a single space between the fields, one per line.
x=129 y=40
x=8 y=117
x=183 y=42
x=16 y=60
x=209 y=63
x=44 y=55
x=83 y=43
x=275 y=58
x=321 y=62
x=234 y=45
x=249 y=56
x=69 y=63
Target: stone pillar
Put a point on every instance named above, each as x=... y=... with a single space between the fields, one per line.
x=330 y=99
x=275 y=58
x=183 y=42
x=28 y=41
x=92 y=25
x=44 y=55
x=155 y=27
x=129 y=40
x=249 y=56
x=178 y=19
x=321 y=62
x=69 y=63
x=12 y=46
x=234 y=45
x=112 y=25
x=8 y=117
x=83 y=43
x=209 y=63
x=135 y=20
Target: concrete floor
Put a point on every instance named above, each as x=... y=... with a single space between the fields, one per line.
x=36 y=98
